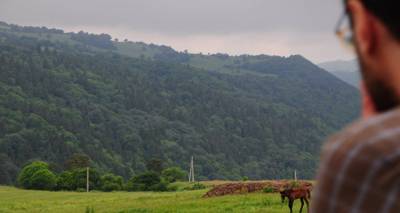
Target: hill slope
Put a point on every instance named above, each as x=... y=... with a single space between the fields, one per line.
x=347 y=71
x=259 y=116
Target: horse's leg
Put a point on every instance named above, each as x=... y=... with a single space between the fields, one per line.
x=307 y=203
x=302 y=204
x=291 y=205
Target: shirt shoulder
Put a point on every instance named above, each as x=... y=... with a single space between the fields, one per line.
x=369 y=133
x=365 y=156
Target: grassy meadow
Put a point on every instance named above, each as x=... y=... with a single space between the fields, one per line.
x=18 y=200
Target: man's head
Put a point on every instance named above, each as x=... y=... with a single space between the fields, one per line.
x=376 y=33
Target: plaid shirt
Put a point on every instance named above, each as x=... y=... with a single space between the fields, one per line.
x=360 y=168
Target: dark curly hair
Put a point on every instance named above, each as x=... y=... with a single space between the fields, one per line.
x=388 y=11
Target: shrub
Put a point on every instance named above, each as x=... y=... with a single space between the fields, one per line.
x=245 y=178
x=28 y=171
x=162 y=186
x=198 y=186
x=268 y=190
x=109 y=187
x=149 y=181
x=173 y=174
x=111 y=182
x=43 y=179
x=172 y=188
x=37 y=175
x=66 y=181
x=76 y=179
x=79 y=178
x=80 y=190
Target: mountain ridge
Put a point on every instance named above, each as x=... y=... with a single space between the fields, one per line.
x=256 y=116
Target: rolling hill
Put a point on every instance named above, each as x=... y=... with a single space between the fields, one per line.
x=125 y=103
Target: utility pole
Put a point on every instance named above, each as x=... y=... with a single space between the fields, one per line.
x=295 y=175
x=87 y=179
x=191 y=171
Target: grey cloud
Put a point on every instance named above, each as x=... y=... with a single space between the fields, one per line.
x=178 y=16
x=232 y=26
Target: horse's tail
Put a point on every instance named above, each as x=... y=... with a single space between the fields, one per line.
x=309 y=194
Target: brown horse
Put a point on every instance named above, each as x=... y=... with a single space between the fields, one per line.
x=293 y=194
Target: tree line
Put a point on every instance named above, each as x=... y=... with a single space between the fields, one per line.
x=40 y=175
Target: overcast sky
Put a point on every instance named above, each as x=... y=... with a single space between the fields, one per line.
x=278 y=27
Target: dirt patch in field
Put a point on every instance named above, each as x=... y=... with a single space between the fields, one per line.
x=249 y=187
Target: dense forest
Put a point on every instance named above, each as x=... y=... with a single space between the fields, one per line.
x=125 y=103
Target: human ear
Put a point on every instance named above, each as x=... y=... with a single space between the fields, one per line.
x=363 y=28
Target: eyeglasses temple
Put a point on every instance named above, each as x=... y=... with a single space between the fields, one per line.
x=340 y=21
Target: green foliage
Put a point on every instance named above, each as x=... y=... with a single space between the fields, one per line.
x=245 y=178
x=24 y=178
x=268 y=190
x=79 y=177
x=80 y=190
x=77 y=161
x=100 y=41
x=155 y=165
x=76 y=179
x=43 y=179
x=8 y=170
x=172 y=188
x=256 y=116
x=198 y=186
x=162 y=186
x=173 y=174
x=66 y=181
x=36 y=175
x=195 y=186
x=148 y=181
x=111 y=182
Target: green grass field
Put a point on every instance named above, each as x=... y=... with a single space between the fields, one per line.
x=17 y=200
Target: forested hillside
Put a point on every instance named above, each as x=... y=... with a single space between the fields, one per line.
x=124 y=103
